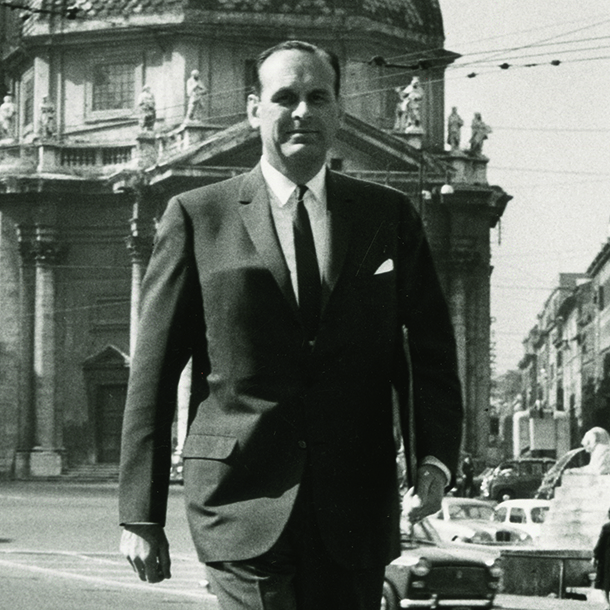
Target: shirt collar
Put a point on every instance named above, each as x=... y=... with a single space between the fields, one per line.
x=283 y=187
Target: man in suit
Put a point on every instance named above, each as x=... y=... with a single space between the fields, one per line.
x=289 y=287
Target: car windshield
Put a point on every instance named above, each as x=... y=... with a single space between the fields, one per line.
x=470 y=511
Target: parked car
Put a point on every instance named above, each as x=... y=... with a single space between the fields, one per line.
x=575 y=458
x=528 y=514
x=470 y=520
x=431 y=574
x=518 y=478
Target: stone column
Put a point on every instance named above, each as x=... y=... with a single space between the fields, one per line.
x=459 y=311
x=46 y=456
x=139 y=251
x=26 y=416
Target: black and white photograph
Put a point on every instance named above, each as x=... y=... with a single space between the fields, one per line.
x=304 y=304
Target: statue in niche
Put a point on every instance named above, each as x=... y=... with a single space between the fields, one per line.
x=47 y=127
x=408 y=107
x=454 y=129
x=480 y=132
x=414 y=98
x=196 y=93
x=147 y=109
x=8 y=112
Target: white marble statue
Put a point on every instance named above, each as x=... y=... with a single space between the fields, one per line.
x=480 y=133
x=195 y=92
x=147 y=109
x=596 y=442
x=454 y=129
x=8 y=112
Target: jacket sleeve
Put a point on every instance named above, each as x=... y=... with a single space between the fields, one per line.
x=170 y=325
x=437 y=410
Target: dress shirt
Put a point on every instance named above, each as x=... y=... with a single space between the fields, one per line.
x=283 y=198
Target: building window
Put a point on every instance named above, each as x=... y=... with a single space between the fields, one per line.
x=113 y=87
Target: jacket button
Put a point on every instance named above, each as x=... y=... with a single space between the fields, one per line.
x=302 y=444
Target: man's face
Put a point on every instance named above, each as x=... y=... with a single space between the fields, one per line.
x=297 y=112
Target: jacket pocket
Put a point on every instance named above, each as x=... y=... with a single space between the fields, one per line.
x=210 y=447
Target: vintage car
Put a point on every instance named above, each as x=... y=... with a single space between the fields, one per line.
x=517 y=478
x=431 y=574
x=528 y=514
x=470 y=520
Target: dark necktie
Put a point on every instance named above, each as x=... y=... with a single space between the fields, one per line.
x=308 y=273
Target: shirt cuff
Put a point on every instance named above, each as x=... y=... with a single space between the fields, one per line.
x=434 y=461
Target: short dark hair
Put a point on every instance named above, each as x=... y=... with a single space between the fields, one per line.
x=297 y=45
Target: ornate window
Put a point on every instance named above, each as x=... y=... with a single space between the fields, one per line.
x=112 y=88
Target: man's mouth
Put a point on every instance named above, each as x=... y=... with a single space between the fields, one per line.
x=302 y=132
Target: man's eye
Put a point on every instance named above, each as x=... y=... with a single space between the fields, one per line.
x=284 y=99
x=319 y=98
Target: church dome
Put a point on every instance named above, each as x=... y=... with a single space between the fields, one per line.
x=420 y=17
x=423 y=16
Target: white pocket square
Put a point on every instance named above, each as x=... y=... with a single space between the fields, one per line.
x=385 y=267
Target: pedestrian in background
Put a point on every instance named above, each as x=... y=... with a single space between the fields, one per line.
x=467 y=477
x=601 y=560
x=290 y=288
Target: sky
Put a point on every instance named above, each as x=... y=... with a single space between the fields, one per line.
x=550 y=146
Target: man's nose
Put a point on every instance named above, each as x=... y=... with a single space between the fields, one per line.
x=301 y=110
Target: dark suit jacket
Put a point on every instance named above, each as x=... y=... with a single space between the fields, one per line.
x=266 y=404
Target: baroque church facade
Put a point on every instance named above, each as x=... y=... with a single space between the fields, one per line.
x=111 y=108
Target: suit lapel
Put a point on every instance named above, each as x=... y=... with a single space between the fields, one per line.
x=256 y=216
x=257 y=219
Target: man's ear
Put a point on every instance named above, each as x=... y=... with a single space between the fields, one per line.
x=253 y=108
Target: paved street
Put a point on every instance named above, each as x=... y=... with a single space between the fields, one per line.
x=58 y=551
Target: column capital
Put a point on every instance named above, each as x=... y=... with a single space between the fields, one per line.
x=46 y=245
x=39 y=244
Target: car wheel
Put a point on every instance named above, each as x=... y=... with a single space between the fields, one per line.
x=505 y=494
x=389 y=599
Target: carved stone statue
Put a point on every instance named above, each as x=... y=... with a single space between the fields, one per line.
x=47 y=127
x=408 y=107
x=147 y=109
x=480 y=131
x=414 y=99
x=596 y=442
x=401 y=106
x=454 y=129
x=8 y=112
x=195 y=92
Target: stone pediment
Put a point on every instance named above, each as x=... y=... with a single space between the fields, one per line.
x=360 y=146
x=109 y=357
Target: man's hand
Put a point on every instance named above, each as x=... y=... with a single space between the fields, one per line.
x=429 y=492
x=147 y=550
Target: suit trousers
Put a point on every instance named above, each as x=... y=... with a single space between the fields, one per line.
x=297 y=573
